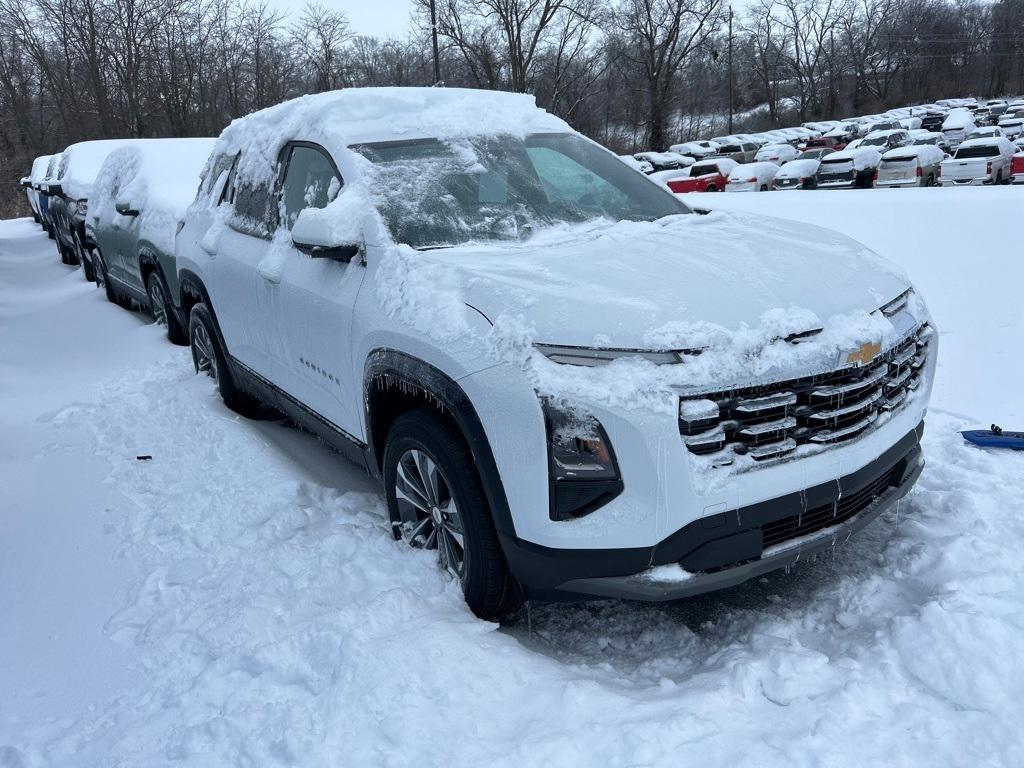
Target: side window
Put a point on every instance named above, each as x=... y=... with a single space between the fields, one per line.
x=255 y=202
x=310 y=181
x=221 y=164
x=567 y=181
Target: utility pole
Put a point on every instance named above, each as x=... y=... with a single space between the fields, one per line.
x=730 y=71
x=433 y=35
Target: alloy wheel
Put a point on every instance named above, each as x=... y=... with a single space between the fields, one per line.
x=429 y=515
x=203 y=352
x=158 y=303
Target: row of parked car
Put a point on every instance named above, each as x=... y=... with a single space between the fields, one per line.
x=348 y=259
x=957 y=142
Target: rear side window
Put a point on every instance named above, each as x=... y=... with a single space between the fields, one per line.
x=310 y=181
x=221 y=164
x=703 y=170
x=965 y=153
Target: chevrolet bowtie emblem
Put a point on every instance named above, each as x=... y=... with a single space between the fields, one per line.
x=865 y=354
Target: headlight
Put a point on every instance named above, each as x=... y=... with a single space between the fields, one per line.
x=592 y=357
x=583 y=472
x=81 y=206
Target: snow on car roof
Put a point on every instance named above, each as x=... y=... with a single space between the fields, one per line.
x=982 y=141
x=862 y=157
x=39 y=165
x=724 y=165
x=82 y=161
x=798 y=168
x=925 y=153
x=758 y=169
x=361 y=115
x=165 y=172
x=776 y=145
x=884 y=132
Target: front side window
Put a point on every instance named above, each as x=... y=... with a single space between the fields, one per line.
x=434 y=193
x=253 y=195
x=310 y=181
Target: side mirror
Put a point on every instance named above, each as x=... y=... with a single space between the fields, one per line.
x=26 y=182
x=54 y=188
x=312 y=235
x=125 y=208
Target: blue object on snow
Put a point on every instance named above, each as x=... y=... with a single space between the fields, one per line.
x=995 y=438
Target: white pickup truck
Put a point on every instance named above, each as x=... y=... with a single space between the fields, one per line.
x=978 y=161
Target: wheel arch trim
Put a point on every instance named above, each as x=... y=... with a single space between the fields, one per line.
x=399 y=369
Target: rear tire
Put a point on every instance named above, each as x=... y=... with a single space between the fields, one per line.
x=712 y=188
x=764 y=188
x=86 y=260
x=209 y=358
x=449 y=512
x=102 y=279
x=162 y=310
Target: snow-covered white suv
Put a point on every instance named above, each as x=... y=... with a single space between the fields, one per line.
x=570 y=385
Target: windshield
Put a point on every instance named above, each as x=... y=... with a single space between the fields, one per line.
x=927 y=140
x=435 y=193
x=875 y=141
x=730 y=149
x=983 y=151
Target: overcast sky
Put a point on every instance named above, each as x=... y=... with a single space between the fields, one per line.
x=380 y=18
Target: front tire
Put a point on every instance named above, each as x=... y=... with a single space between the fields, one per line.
x=436 y=500
x=209 y=358
x=161 y=308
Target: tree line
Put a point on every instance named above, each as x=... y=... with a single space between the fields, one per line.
x=631 y=74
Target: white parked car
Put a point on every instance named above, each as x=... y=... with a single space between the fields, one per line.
x=776 y=153
x=567 y=384
x=695 y=149
x=32 y=182
x=664 y=161
x=910 y=123
x=886 y=139
x=987 y=132
x=1012 y=126
x=797 y=174
x=851 y=168
x=958 y=123
x=979 y=161
x=752 y=177
x=913 y=166
x=642 y=166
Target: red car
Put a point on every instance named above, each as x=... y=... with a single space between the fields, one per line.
x=706 y=176
x=1017 y=168
x=825 y=142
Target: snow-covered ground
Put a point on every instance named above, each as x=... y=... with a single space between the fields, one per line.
x=236 y=600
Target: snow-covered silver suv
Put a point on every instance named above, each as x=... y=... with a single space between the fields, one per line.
x=569 y=385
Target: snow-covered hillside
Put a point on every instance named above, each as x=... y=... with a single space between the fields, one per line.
x=236 y=600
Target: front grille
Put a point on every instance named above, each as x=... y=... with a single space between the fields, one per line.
x=825 y=516
x=770 y=421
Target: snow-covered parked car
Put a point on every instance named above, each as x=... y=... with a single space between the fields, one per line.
x=886 y=140
x=637 y=165
x=1012 y=126
x=31 y=184
x=849 y=169
x=709 y=175
x=979 y=161
x=667 y=178
x=797 y=174
x=138 y=199
x=913 y=166
x=776 y=153
x=664 y=161
x=568 y=386
x=69 y=195
x=695 y=149
x=958 y=123
x=740 y=152
x=751 y=177
x=44 y=197
x=986 y=132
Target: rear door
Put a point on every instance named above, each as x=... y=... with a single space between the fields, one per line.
x=245 y=287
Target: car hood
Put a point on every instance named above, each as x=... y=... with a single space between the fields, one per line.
x=795 y=169
x=623 y=285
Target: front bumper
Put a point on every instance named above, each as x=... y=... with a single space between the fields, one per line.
x=729 y=548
